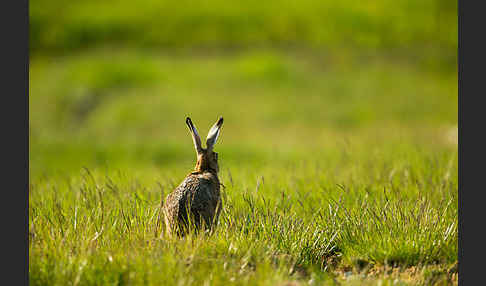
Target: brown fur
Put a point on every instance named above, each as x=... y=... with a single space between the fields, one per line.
x=198 y=195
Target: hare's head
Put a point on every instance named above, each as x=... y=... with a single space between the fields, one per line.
x=207 y=159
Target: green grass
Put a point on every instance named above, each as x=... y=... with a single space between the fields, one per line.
x=337 y=169
x=295 y=221
x=338 y=153
x=428 y=29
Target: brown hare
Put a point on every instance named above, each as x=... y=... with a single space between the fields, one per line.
x=199 y=193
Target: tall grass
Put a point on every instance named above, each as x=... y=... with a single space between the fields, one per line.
x=338 y=155
x=298 y=222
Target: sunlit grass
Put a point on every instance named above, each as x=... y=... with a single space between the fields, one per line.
x=332 y=172
x=299 y=218
x=291 y=222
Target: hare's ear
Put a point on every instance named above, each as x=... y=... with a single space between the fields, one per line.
x=214 y=133
x=195 y=135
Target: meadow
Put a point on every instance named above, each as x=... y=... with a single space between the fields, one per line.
x=338 y=157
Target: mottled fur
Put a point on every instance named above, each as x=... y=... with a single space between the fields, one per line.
x=199 y=193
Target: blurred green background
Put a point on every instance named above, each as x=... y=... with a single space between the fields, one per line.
x=338 y=148
x=111 y=82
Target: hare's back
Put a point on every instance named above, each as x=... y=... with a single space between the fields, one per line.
x=204 y=191
x=200 y=190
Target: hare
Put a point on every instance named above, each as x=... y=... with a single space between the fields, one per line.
x=199 y=193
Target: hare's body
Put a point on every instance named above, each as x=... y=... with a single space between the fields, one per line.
x=196 y=202
x=199 y=195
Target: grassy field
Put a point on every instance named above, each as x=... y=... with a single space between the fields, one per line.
x=338 y=152
x=331 y=171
